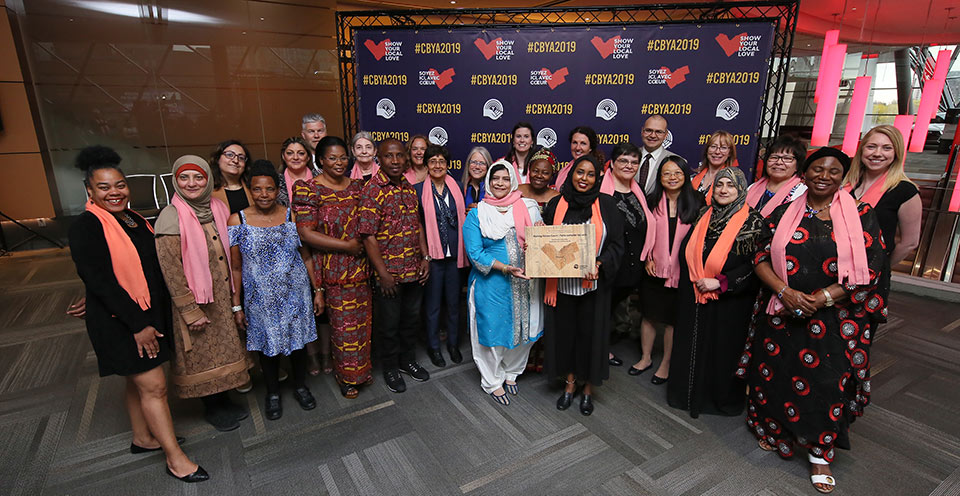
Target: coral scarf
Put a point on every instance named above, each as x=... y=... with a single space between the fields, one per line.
x=852 y=267
x=666 y=257
x=550 y=295
x=193 y=246
x=607 y=186
x=123 y=255
x=874 y=193
x=434 y=246
x=289 y=179
x=760 y=187
x=718 y=254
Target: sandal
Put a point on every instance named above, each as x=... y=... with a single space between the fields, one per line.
x=764 y=445
x=313 y=365
x=327 y=364
x=513 y=389
x=824 y=479
x=349 y=391
x=502 y=398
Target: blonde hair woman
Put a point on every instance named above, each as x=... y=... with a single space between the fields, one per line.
x=877 y=177
x=720 y=152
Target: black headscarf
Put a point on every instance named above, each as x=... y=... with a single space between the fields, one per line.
x=582 y=200
x=827 y=151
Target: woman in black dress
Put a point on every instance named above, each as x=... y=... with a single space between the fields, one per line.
x=716 y=295
x=808 y=346
x=579 y=319
x=128 y=313
x=675 y=206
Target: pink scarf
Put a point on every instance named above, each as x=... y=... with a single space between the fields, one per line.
x=411 y=175
x=852 y=266
x=290 y=180
x=521 y=217
x=193 y=246
x=356 y=174
x=562 y=176
x=434 y=247
x=666 y=259
x=607 y=186
x=779 y=198
x=874 y=193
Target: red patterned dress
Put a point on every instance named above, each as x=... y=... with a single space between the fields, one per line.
x=343 y=276
x=809 y=378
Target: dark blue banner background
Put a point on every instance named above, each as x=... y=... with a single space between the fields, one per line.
x=466 y=87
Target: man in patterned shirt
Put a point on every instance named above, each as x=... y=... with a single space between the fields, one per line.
x=395 y=243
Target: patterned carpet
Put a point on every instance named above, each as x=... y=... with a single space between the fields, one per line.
x=63 y=430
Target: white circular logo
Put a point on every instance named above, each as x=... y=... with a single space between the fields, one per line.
x=438 y=136
x=386 y=108
x=668 y=140
x=728 y=109
x=493 y=109
x=547 y=137
x=607 y=109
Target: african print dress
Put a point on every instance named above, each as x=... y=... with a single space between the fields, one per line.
x=343 y=276
x=809 y=378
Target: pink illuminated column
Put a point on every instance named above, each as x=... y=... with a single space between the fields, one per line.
x=827 y=106
x=858 y=109
x=830 y=39
x=930 y=100
x=904 y=123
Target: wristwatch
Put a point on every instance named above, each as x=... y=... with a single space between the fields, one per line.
x=428 y=258
x=827 y=297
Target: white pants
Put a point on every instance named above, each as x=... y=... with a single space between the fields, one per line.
x=498 y=364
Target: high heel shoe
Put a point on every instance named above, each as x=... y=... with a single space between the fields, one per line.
x=198 y=475
x=586 y=404
x=136 y=450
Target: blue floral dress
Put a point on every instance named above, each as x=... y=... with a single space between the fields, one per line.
x=276 y=288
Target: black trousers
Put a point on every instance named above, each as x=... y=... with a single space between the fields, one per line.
x=397 y=322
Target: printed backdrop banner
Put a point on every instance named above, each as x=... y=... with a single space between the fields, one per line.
x=466 y=87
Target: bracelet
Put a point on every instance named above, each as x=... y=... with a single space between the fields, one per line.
x=829 y=299
x=780 y=293
x=236 y=308
x=318 y=290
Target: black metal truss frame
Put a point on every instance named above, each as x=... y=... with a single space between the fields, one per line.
x=782 y=13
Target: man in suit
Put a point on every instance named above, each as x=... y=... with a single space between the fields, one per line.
x=654 y=132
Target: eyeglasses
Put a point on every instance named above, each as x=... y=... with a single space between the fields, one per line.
x=627 y=161
x=671 y=174
x=232 y=155
x=657 y=132
x=478 y=162
x=787 y=159
x=722 y=148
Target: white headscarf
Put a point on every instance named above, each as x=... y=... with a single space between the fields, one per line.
x=496 y=222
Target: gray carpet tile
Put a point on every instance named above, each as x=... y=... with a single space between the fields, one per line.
x=64 y=430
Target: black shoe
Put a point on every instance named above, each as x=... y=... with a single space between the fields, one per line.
x=199 y=475
x=136 y=450
x=616 y=362
x=436 y=358
x=455 y=355
x=586 y=404
x=222 y=419
x=303 y=396
x=656 y=380
x=635 y=371
x=234 y=409
x=272 y=407
x=394 y=381
x=565 y=399
x=414 y=370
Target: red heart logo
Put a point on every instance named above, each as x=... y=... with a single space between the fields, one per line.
x=605 y=47
x=730 y=46
x=377 y=49
x=487 y=49
x=442 y=78
x=557 y=78
x=675 y=77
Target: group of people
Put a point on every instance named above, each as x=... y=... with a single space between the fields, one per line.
x=768 y=294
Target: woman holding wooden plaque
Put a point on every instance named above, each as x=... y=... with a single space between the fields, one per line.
x=579 y=320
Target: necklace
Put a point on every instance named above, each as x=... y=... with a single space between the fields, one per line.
x=132 y=224
x=812 y=212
